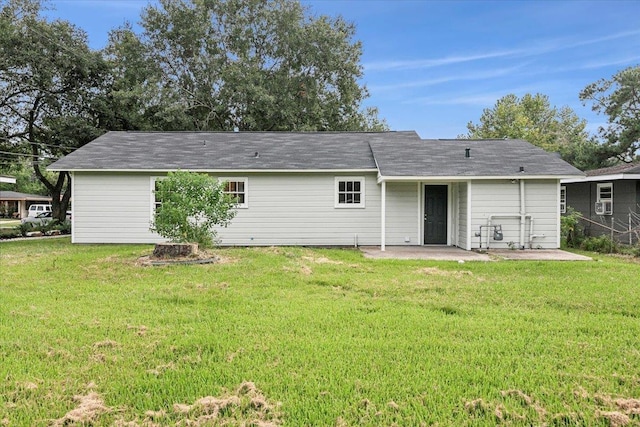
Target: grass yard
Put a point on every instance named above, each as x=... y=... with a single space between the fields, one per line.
x=9 y=223
x=298 y=337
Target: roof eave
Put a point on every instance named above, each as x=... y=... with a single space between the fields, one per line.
x=460 y=178
x=611 y=177
x=166 y=170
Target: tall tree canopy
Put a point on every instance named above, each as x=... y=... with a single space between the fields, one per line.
x=196 y=65
x=619 y=99
x=49 y=80
x=533 y=119
x=241 y=64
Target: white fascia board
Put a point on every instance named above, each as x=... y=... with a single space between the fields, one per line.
x=456 y=178
x=614 y=177
x=224 y=171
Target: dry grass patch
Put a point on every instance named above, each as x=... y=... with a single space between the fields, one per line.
x=321 y=260
x=90 y=408
x=105 y=344
x=435 y=271
x=246 y=406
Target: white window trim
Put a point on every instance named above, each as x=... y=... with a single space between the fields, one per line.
x=242 y=179
x=563 y=200
x=600 y=187
x=152 y=192
x=360 y=205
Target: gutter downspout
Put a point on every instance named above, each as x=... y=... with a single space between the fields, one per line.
x=523 y=213
x=383 y=216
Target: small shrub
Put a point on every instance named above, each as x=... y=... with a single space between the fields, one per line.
x=191 y=205
x=602 y=244
x=571 y=233
x=64 y=227
x=25 y=228
x=46 y=227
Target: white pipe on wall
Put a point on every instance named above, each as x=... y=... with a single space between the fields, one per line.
x=523 y=213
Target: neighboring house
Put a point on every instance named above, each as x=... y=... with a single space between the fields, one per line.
x=16 y=205
x=327 y=188
x=7 y=179
x=606 y=195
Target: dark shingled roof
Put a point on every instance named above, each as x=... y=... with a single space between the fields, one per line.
x=396 y=154
x=228 y=151
x=630 y=168
x=14 y=195
x=488 y=157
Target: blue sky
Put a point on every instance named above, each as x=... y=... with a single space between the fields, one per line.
x=433 y=66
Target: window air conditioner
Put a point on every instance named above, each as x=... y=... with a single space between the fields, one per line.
x=604 y=208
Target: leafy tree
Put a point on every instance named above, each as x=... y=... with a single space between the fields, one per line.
x=619 y=99
x=26 y=182
x=533 y=119
x=242 y=64
x=49 y=81
x=191 y=206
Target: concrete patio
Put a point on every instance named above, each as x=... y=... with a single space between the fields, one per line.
x=450 y=253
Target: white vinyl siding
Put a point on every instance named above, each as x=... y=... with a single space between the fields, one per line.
x=113 y=208
x=462 y=215
x=402 y=214
x=285 y=209
x=299 y=209
x=501 y=197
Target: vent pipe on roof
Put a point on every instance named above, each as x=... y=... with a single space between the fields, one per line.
x=521 y=169
x=467 y=152
x=256 y=155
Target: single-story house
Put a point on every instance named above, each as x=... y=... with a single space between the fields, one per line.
x=606 y=196
x=327 y=188
x=16 y=205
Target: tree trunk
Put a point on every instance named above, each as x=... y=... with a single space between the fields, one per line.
x=175 y=250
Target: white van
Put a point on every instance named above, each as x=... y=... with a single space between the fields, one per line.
x=35 y=210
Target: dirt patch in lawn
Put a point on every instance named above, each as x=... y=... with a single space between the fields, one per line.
x=202 y=257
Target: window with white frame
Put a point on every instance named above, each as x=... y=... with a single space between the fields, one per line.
x=349 y=192
x=238 y=189
x=155 y=203
x=605 y=198
x=563 y=199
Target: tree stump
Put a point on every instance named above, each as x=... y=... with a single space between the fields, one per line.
x=175 y=250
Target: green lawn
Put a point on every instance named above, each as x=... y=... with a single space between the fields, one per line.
x=314 y=337
x=9 y=223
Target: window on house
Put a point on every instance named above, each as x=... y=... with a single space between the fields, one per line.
x=154 y=190
x=604 y=203
x=349 y=192
x=237 y=188
x=563 y=199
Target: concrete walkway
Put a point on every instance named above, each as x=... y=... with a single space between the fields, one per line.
x=450 y=253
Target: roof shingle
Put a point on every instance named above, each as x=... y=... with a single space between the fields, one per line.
x=394 y=154
x=227 y=151
x=494 y=157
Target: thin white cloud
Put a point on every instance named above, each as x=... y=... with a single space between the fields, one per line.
x=429 y=63
x=446 y=79
x=537 y=49
x=607 y=63
x=485 y=99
